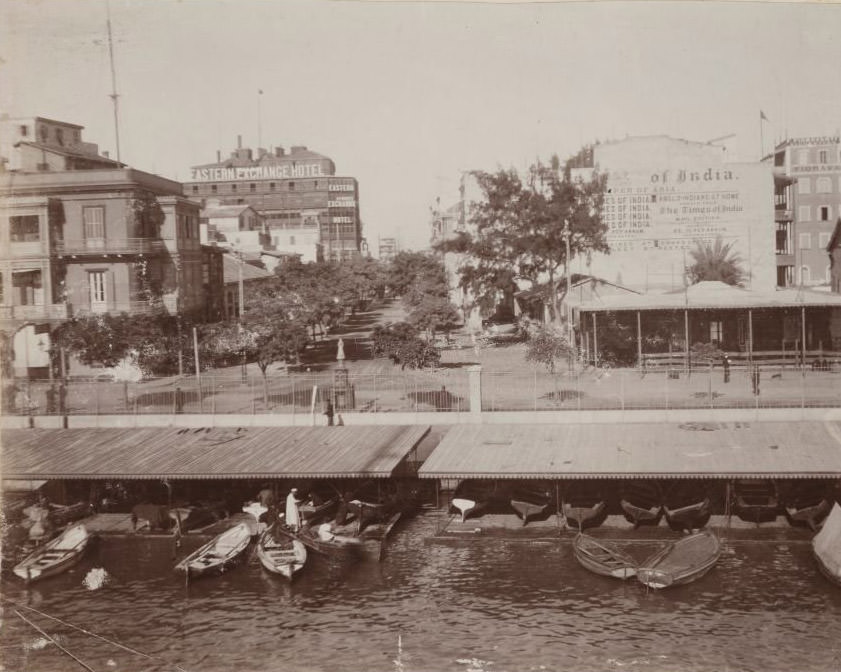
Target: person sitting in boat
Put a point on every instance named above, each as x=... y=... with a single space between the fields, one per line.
x=293 y=515
x=325 y=532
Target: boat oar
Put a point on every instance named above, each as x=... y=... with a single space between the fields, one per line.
x=81 y=662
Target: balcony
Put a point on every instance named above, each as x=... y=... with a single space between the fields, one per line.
x=783 y=214
x=57 y=311
x=105 y=246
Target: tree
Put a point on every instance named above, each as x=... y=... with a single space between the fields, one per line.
x=547 y=346
x=401 y=343
x=519 y=231
x=407 y=269
x=313 y=290
x=716 y=261
x=421 y=281
x=433 y=314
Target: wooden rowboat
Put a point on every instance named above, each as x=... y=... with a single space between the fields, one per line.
x=806 y=503
x=642 y=502
x=826 y=546
x=285 y=556
x=55 y=556
x=471 y=498
x=602 y=558
x=756 y=500
x=529 y=504
x=219 y=554
x=686 y=506
x=682 y=561
x=583 y=505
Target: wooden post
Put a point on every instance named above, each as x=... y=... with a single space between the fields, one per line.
x=686 y=336
x=639 y=341
x=803 y=340
x=595 y=341
x=750 y=335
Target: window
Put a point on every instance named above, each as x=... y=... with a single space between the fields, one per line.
x=804 y=213
x=823 y=156
x=94 y=221
x=24 y=131
x=59 y=136
x=213 y=188
x=233 y=187
x=96 y=286
x=27 y=289
x=24 y=228
x=716 y=331
x=195 y=189
x=803 y=157
x=823 y=213
x=828 y=274
x=271 y=186
x=823 y=185
x=804 y=275
x=823 y=240
x=291 y=240
x=291 y=186
x=252 y=187
x=804 y=185
x=805 y=241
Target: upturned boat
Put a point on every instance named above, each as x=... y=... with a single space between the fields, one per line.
x=219 y=554
x=826 y=546
x=55 y=556
x=471 y=498
x=583 y=505
x=529 y=503
x=806 y=503
x=686 y=506
x=642 y=502
x=756 y=500
x=682 y=561
x=281 y=554
x=603 y=558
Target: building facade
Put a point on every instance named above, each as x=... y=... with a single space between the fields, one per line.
x=666 y=195
x=813 y=164
x=297 y=193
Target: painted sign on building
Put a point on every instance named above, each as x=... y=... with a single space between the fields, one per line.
x=280 y=171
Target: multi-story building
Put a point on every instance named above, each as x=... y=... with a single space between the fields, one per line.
x=814 y=165
x=104 y=239
x=301 y=199
x=388 y=248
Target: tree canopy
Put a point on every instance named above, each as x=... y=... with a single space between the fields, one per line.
x=716 y=261
x=518 y=231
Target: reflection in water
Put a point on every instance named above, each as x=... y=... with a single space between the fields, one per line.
x=481 y=605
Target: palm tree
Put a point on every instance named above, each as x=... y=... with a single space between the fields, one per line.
x=716 y=261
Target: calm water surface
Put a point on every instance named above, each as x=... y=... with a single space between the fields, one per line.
x=479 y=606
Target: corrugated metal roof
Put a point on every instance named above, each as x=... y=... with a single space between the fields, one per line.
x=668 y=450
x=274 y=452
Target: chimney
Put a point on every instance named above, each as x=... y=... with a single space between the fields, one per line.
x=261 y=152
x=278 y=151
x=218 y=156
x=105 y=154
x=239 y=142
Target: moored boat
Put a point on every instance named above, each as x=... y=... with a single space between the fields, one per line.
x=603 y=558
x=642 y=502
x=471 y=498
x=530 y=503
x=583 y=505
x=219 y=554
x=756 y=500
x=806 y=503
x=55 y=556
x=682 y=561
x=281 y=554
x=826 y=546
x=686 y=506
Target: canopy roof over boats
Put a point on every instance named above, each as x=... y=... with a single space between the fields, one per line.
x=713 y=295
x=209 y=453
x=639 y=450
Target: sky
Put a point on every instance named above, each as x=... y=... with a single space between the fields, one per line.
x=404 y=96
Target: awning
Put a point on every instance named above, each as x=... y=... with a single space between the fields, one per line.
x=13 y=485
x=659 y=450
x=208 y=453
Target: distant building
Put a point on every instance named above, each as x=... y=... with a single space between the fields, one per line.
x=388 y=248
x=833 y=248
x=240 y=275
x=95 y=239
x=297 y=193
x=664 y=196
x=814 y=163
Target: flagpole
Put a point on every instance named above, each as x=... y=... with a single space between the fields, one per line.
x=761 y=138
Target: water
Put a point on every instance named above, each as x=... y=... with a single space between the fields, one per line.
x=476 y=606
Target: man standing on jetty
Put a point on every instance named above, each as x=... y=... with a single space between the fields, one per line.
x=293 y=516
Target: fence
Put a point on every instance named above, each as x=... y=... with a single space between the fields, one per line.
x=443 y=390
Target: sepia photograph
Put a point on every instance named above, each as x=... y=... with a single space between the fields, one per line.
x=420 y=336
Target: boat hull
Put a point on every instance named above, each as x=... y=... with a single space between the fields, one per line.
x=681 y=562
x=603 y=559
x=585 y=517
x=528 y=509
x=286 y=557
x=756 y=501
x=826 y=546
x=219 y=554
x=642 y=503
x=56 y=556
